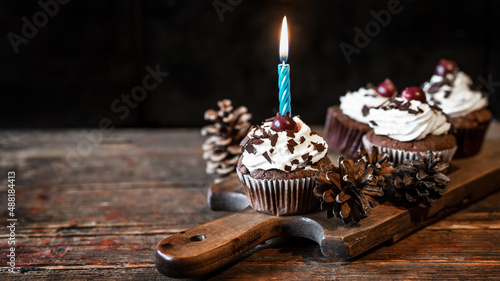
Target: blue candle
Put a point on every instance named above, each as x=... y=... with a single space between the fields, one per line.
x=284 y=72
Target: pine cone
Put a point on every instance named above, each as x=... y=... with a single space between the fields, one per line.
x=421 y=182
x=346 y=191
x=382 y=168
x=222 y=148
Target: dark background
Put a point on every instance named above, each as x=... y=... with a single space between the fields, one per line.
x=91 y=52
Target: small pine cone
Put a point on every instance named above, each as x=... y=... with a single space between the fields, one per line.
x=222 y=147
x=421 y=182
x=346 y=191
x=382 y=168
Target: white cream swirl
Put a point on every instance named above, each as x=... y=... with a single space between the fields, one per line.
x=404 y=120
x=309 y=148
x=457 y=99
x=352 y=103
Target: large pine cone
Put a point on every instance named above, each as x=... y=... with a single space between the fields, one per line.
x=222 y=148
x=382 y=168
x=421 y=182
x=346 y=191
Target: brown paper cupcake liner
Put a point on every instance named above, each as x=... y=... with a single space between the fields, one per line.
x=280 y=197
x=470 y=140
x=341 y=138
x=397 y=155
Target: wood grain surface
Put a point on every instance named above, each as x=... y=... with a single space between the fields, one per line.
x=104 y=219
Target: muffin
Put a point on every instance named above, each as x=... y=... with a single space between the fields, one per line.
x=278 y=164
x=450 y=89
x=407 y=125
x=346 y=123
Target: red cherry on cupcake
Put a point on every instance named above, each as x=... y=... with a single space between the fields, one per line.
x=445 y=66
x=414 y=93
x=282 y=123
x=386 y=89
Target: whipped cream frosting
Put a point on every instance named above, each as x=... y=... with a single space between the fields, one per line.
x=405 y=120
x=352 y=103
x=266 y=149
x=453 y=94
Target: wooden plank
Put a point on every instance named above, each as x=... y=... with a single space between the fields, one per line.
x=429 y=251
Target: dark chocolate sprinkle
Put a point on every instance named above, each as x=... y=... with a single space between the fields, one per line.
x=318 y=146
x=305 y=156
x=302 y=139
x=290 y=134
x=373 y=123
x=274 y=139
x=290 y=148
x=365 y=110
x=271 y=150
x=267 y=157
x=447 y=94
x=256 y=141
x=250 y=149
x=292 y=143
x=295 y=162
x=313 y=133
x=244 y=141
x=288 y=168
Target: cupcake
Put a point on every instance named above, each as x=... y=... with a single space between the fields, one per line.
x=278 y=164
x=450 y=89
x=346 y=124
x=407 y=125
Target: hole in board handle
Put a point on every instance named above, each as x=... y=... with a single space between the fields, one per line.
x=197 y=238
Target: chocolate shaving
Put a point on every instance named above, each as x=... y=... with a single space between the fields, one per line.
x=434 y=88
x=313 y=133
x=290 y=148
x=292 y=143
x=295 y=162
x=318 y=146
x=271 y=150
x=256 y=141
x=365 y=110
x=288 y=168
x=244 y=141
x=267 y=157
x=305 y=156
x=269 y=119
x=373 y=123
x=302 y=139
x=250 y=149
x=447 y=94
x=274 y=139
x=290 y=134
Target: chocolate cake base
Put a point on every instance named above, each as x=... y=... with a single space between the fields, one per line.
x=343 y=134
x=443 y=147
x=470 y=131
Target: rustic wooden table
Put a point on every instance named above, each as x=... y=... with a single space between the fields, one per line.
x=88 y=208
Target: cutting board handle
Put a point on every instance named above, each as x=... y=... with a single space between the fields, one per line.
x=205 y=248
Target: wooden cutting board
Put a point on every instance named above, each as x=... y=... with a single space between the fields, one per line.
x=205 y=248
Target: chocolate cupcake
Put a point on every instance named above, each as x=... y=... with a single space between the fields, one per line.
x=347 y=123
x=450 y=89
x=278 y=164
x=403 y=127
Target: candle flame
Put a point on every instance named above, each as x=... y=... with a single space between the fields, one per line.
x=284 y=41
